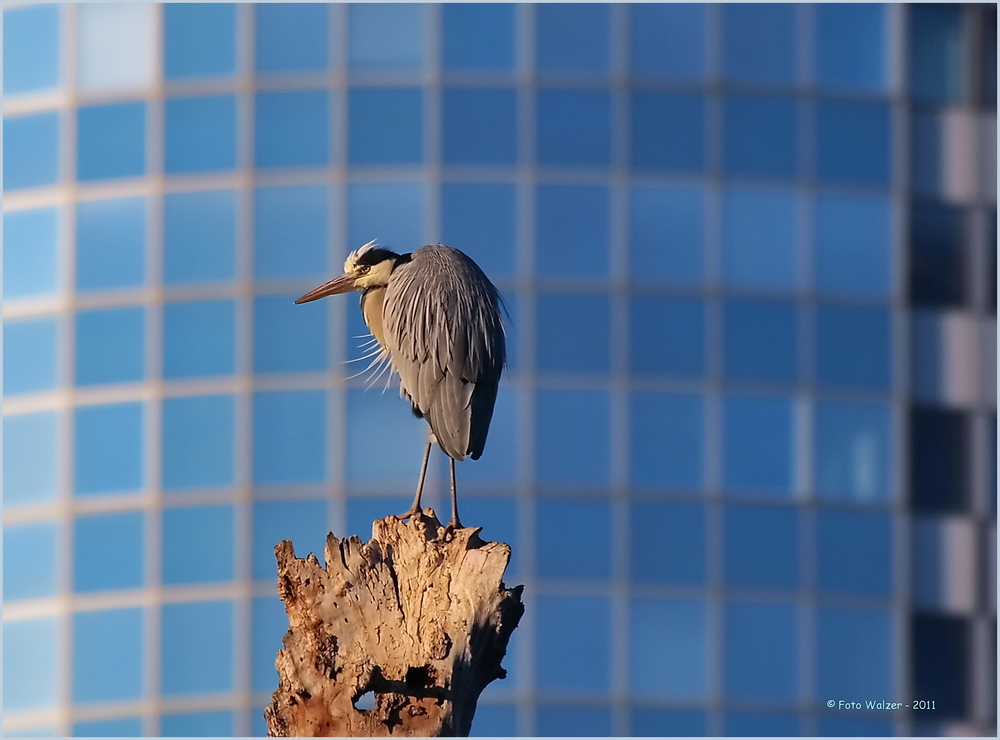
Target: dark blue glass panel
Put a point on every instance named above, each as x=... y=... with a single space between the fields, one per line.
x=291 y=37
x=574 y=538
x=199 y=39
x=199 y=241
x=29 y=561
x=108 y=454
x=762 y=547
x=199 y=339
x=852 y=451
x=290 y=231
x=107 y=552
x=853 y=242
x=198 y=442
x=574 y=333
x=477 y=36
x=498 y=517
x=667 y=542
x=198 y=544
x=289 y=436
x=761 y=652
x=574 y=721
x=124 y=727
x=386 y=36
x=478 y=126
x=938 y=263
x=667 y=40
x=565 y=623
x=572 y=37
x=854 y=552
x=668 y=648
x=107 y=655
x=759 y=232
x=851 y=46
x=855 y=653
x=200 y=134
x=30 y=48
x=668 y=723
x=667 y=335
x=761 y=136
x=492 y=720
x=499 y=461
x=110 y=243
x=30 y=355
x=29 y=664
x=287 y=338
x=386 y=125
x=572 y=230
x=574 y=127
x=111 y=141
x=30 y=252
x=479 y=219
x=853 y=143
x=392 y=213
x=667 y=440
x=937 y=52
x=757 y=444
x=853 y=347
x=572 y=437
x=197 y=724
x=269 y=623
x=31 y=150
x=668 y=131
x=759 y=42
x=759 y=724
x=761 y=341
x=377 y=422
x=362 y=512
x=110 y=345
x=196 y=648
x=667 y=234
x=303 y=522
x=29 y=455
x=307 y=113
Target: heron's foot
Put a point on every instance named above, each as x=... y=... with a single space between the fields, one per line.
x=454 y=523
x=414 y=512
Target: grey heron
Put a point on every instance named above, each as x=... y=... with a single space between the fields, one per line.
x=436 y=318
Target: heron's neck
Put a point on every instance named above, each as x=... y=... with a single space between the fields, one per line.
x=372 y=303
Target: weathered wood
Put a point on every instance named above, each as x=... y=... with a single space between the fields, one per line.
x=419 y=616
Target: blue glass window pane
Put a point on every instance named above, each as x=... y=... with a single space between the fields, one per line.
x=572 y=436
x=386 y=125
x=762 y=547
x=853 y=143
x=667 y=40
x=499 y=461
x=477 y=36
x=761 y=341
x=574 y=538
x=377 y=422
x=302 y=522
x=667 y=542
x=291 y=36
x=110 y=345
x=200 y=134
x=111 y=141
x=852 y=451
x=29 y=560
x=29 y=458
x=124 y=727
x=761 y=136
x=30 y=48
x=362 y=511
x=937 y=52
x=668 y=723
x=565 y=623
x=573 y=721
x=199 y=39
x=850 y=46
x=500 y=524
x=667 y=234
x=30 y=355
x=759 y=42
x=479 y=219
x=478 y=126
x=107 y=552
x=198 y=544
x=854 y=652
x=289 y=436
x=197 y=724
x=572 y=37
x=113 y=43
x=287 y=338
x=110 y=243
x=29 y=664
x=494 y=721
x=307 y=113
x=757 y=443
x=668 y=648
x=667 y=335
x=108 y=455
x=853 y=241
x=384 y=36
x=269 y=624
x=760 y=724
x=759 y=239
x=668 y=131
x=198 y=441
x=199 y=241
x=667 y=440
x=30 y=252
x=761 y=652
x=572 y=230
x=31 y=150
x=392 y=213
x=199 y=338
x=574 y=127
x=107 y=655
x=290 y=231
x=574 y=333
x=854 y=552
x=853 y=347
x=196 y=648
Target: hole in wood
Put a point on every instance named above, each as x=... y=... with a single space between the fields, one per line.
x=365 y=702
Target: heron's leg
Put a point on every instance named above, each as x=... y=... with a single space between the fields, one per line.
x=415 y=508
x=454 y=523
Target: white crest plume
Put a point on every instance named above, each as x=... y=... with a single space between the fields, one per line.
x=352 y=258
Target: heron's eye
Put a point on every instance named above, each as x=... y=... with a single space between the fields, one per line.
x=364 y=269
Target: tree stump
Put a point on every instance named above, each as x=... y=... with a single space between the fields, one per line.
x=419 y=616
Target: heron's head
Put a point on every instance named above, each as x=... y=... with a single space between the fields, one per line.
x=367 y=267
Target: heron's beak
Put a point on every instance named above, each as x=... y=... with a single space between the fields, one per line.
x=342 y=284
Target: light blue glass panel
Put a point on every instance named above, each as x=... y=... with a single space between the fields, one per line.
x=197 y=724
x=852 y=451
x=196 y=648
x=377 y=422
x=668 y=131
x=29 y=560
x=199 y=39
x=108 y=454
x=124 y=727
x=286 y=337
x=937 y=52
x=572 y=230
x=761 y=341
x=110 y=243
x=110 y=345
x=29 y=664
x=668 y=648
x=477 y=36
x=30 y=252
x=31 y=150
x=498 y=518
x=564 y=623
x=572 y=443
x=479 y=126
x=386 y=125
x=667 y=335
x=574 y=538
x=198 y=544
x=853 y=242
x=574 y=721
x=199 y=338
x=667 y=234
x=761 y=652
x=759 y=239
x=853 y=143
x=111 y=141
x=492 y=720
x=197 y=441
x=30 y=355
x=269 y=624
x=29 y=458
x=392 y=213
x=668 y=723
x=479 y=219
x=572 y=37
x=850 y=46
x=291 y=230
x=499 y=460
x=200 y=134
x=291 y=37
x=30 y=48
x=667 y=40
x=302 y=522
x=762 y=547
x=761 y=136
x=289 y=436
x=667 y=542
x=667 y=440
x=199 y=241
x=307 y=113
x=759 y=42
x=853 y=347
x=107 y=552
x=384 y=36
x=574 y=333
x=760 y=724
x=574 y=127
x=107 y=655
x=855 y=652
x=757 y=443
x=113 y=45
x=854 y=552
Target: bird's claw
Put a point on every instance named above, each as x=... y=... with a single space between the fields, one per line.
x=414 y=512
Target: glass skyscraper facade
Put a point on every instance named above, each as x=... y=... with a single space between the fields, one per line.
x=745 y=449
